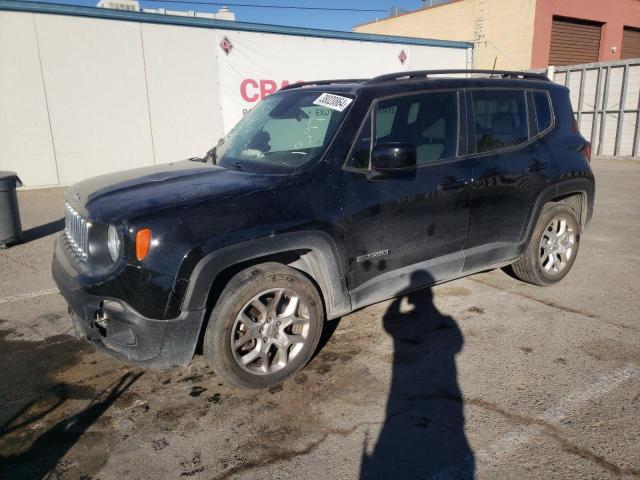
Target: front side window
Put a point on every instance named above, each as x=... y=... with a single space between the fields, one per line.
x=428 y=121
x=281 y=133
x=500 y=118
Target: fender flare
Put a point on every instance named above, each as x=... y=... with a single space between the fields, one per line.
x=321 y=261
x=578 y=186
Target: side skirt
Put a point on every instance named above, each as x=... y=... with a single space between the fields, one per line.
x=433 y=272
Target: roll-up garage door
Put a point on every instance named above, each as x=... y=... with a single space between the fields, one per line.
x=574 y=41
x=630 y=43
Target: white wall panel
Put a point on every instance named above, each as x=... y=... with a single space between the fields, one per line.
x=612 y=102
x=560 y=78
x=633 y=88
x=627 y=134
x=574 y=88
x=590 y=86
x=25 y=138
x=182 y=83
x=609 y=134
x=95 y=82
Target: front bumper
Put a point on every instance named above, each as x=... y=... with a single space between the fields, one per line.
x=116 y=328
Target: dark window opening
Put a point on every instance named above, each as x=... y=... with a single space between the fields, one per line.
x=429 y=122
x=500 y=119
x=542 y=110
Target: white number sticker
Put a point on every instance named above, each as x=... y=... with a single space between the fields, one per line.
x=334 y=102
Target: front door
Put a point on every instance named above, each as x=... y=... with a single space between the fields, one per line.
x=401 y=231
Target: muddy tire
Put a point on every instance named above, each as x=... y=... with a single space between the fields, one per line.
x=265 y=326
x=552 y=249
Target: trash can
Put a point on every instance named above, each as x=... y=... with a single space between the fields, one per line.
x=10 y=227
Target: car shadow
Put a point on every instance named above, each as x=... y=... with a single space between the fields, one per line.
x=42 y=230
x=423 y=432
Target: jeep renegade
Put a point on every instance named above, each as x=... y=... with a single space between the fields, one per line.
x=326 y=197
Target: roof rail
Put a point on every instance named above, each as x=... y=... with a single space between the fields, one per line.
x=324 y=82
x=425 y=73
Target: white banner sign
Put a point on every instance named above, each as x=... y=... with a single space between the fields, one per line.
x=253 y=65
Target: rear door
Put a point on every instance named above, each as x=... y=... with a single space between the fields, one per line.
x=510 y=167
x=396 y=226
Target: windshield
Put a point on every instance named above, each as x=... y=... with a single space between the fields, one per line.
x=283 y=132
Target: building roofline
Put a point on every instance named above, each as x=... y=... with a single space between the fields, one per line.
x=427 y=7
x=111 y=14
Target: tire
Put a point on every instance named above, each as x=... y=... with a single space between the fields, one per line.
x=270 y=342
x=552 y=249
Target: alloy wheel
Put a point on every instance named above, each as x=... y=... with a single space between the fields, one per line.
x=270 y=331
x=557 y=245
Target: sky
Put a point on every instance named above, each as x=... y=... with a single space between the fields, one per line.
x=299 y=18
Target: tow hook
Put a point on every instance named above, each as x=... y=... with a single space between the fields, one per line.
x=101 y=322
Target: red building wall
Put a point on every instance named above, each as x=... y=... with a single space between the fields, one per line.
x=615 y=14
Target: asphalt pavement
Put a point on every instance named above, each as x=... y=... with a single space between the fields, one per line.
x=484 y=377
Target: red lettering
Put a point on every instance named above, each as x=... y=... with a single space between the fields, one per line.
x=243 y=90
x=249 y=88
x=267 y=87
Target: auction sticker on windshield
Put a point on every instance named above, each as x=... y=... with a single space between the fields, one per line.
x=335 y=102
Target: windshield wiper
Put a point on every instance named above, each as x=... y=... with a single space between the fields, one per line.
x=210 y=155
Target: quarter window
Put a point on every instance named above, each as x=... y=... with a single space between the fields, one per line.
x=500 y=118
x=542 y=110
x=361 y=151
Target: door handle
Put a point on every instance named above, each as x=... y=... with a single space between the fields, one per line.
x=536 y=166
x=452 y=185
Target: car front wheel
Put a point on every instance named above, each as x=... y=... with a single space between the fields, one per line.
x=265 y=326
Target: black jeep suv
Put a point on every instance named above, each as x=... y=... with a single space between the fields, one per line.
x=326 y=197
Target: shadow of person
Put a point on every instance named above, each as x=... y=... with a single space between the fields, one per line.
x=423 y=432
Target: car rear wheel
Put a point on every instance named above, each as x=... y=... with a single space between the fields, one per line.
x=265 y=326
x=552 y=249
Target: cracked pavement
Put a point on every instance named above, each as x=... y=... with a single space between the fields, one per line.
x=483 y=377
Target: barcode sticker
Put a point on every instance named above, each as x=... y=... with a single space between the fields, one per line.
x=334 y=102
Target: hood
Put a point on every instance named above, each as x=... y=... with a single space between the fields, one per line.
x=116 y=196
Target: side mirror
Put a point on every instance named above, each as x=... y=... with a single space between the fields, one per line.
x=393 y=159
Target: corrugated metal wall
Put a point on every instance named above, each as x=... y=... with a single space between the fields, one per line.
x=606 y=101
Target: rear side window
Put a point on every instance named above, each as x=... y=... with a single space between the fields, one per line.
x=542 y=107
x=500 y=118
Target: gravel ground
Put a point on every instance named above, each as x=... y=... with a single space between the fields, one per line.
x=482 y=377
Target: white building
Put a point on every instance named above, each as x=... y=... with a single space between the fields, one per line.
x=134 y=6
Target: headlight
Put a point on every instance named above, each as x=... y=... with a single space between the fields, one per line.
x=113 y=243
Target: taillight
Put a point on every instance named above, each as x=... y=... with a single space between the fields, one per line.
x=587 y=152
x=143 y=242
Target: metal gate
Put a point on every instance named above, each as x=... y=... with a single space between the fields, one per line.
x=606 y=101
